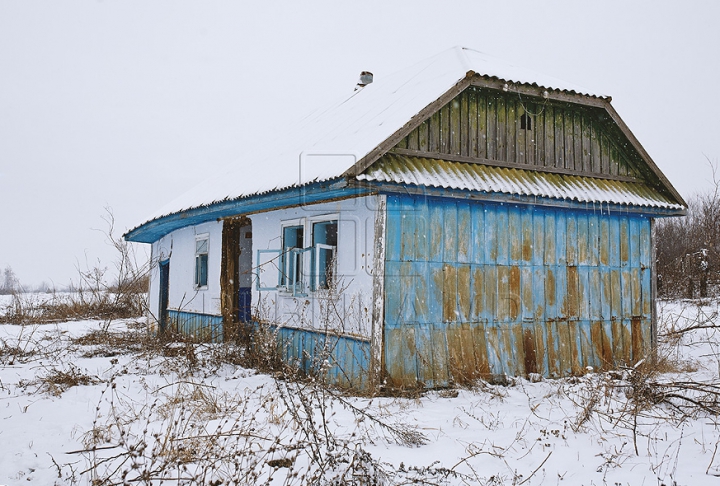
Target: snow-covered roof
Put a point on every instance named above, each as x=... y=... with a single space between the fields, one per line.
x=332 y=140
x=424 y=172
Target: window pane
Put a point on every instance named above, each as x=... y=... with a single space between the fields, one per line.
x=201 y=270
x=325 y=233
x=292 y=262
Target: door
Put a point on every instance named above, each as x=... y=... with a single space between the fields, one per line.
x=245 y=273
x=164 y=293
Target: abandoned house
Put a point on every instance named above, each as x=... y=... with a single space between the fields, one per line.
x=459 y=219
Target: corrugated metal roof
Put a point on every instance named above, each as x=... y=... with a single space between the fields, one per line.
x=332 y=140
x=427 y=172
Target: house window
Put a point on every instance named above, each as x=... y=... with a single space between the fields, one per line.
x=525 y=122
x=292 y=256
x=201 y=261
x=324 y=250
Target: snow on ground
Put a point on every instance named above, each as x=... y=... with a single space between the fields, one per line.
x=60 y=396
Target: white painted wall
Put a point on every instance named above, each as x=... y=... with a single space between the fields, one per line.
x=355 y=250
x=179 y=247
x=356 y=223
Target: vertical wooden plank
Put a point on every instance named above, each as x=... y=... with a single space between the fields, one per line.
x=585 y=143
x=522 y=137
x=502 y=138
x=454 y=129
x=559 y=139
x=595 y=147
x=549 y=141
x=463 y=131
x=512 y=124
x=482 y=121
x=444 y=112
x=577 y=140
x=492 y=127
x=413 y=140
x=605 y=155
x=423 y=130
x=472 y=123
x=569 y=125
x=434 y=133
x=539 y=124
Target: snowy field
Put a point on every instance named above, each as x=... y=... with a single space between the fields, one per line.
x=96 y=401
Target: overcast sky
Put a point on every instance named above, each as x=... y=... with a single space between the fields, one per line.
x=127 y=104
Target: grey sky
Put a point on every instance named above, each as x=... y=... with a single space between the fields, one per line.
x=129 y=103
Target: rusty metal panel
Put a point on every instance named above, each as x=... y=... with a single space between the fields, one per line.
x=464 y=293
x=435 y=235
x=550 y=238
x=538 y=243
x=478 y=233
x=502 y=234
x=464 y=232
x=624 y=237
x=515 y=236
x=449 y=232
x=593 y=239
x=538 y=298
x=571 y=239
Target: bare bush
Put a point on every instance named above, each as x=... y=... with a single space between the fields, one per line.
x=688 y=249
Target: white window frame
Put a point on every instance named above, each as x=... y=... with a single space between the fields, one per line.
x=196 y=273
x=324 y=218
x=285 y=277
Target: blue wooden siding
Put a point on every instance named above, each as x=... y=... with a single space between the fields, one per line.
x=481 y=290
x=340 y=360
x=201 y=327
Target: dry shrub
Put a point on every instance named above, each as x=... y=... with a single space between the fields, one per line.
x=56 y=381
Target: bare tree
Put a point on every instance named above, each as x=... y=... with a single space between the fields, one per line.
x=688 y=249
